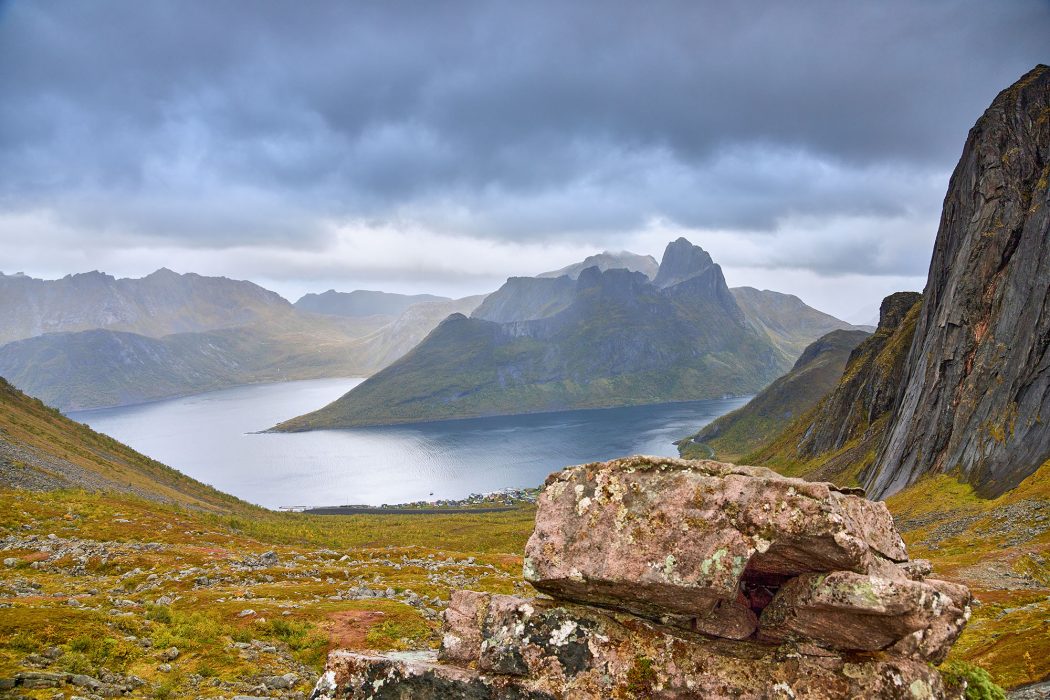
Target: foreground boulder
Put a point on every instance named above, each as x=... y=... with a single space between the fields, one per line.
x=677 y=579
x=663 y=536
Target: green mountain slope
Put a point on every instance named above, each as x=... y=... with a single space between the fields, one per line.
x=41 y=449
x=838 y=438
x=815 y=373
x=785 y=319
x=623 y=340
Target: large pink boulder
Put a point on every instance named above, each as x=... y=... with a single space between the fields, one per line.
x=659 y=536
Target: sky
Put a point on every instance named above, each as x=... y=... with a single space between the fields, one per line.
x=444 y=146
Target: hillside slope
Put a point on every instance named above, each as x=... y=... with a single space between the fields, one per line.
x=41 y=449
x=839 y=437
x=623 y=340
x=816 y=372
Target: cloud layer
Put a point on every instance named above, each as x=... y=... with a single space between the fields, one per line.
x=809 y=136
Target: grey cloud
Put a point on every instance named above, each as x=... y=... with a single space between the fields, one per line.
x=220 y=123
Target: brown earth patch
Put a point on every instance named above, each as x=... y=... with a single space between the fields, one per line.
x=347 y=629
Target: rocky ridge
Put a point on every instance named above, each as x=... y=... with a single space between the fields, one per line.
x=667 y=578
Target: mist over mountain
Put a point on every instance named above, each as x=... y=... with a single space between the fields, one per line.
x=646 y=264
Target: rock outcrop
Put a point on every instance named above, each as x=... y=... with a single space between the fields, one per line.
x=675 y=579
x=977 y=388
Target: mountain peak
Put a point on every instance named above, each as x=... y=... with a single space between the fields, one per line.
x=681 y=261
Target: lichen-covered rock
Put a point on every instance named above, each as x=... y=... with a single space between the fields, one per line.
x=854 y=612
x=658 y=536
x=541 y=649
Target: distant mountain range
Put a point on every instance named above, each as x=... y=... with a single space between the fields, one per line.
x=90 y=340
x=607 y=338
x=156 y=305
x=362 y=302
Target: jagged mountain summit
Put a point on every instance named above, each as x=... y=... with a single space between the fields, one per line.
x=363 y=302
x=976 y=393
x=620 y=339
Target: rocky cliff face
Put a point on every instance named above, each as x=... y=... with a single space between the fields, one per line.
x=975 y=398
x=869 y=383
x=673 y=579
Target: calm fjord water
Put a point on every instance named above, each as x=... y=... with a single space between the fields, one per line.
x=210 y=437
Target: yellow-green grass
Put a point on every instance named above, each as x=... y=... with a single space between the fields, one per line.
x=429 y=555
x=1000 y=548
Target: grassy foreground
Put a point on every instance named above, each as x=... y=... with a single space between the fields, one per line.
x=125 y=580
x=106 y=586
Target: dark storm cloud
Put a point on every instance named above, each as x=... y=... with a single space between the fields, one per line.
x=223 y=123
